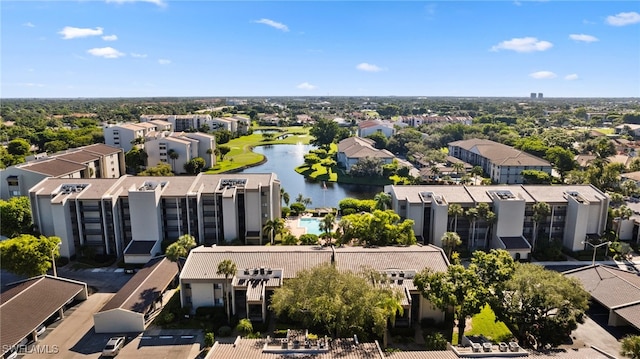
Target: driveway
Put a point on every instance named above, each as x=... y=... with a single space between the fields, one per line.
x=71 y=330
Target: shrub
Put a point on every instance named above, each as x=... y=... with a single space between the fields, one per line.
x=244 y=326
x=348 y=211
x=209 y=339
x=224 y=331
x=255 y=335
x=168 y=317
x=309 y=238
x=435 y=341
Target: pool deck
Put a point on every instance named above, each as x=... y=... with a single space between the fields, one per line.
x=292 y=224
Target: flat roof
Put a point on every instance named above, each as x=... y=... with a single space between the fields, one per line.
x=139 y=247
x=29 y=303
x=144 y=287
x=515 y=243
x=339 y=349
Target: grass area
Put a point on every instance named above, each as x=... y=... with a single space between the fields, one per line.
x=484 y=323
x=242 y=155
x=605 y=130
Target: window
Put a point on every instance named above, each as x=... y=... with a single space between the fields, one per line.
x=13 y=182
x=217 y=286
x=187 y=286
x=219 y=302
x=403 y=207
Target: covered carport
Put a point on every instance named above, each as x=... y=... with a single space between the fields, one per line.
x=617 y=290
x=131 y=309
x=28 y=304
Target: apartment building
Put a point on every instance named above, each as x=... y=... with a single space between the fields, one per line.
x=577 y=211
x=353 y=149
x=184 y=146
x=93 y=161
x=130 y=215
x=503 y=163
x=124 y=135
x=235 y=124
x=263 y=269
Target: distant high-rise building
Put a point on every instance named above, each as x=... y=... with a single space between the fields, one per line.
x=540 y=95
x=533 y=95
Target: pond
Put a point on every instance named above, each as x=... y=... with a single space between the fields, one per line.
x=283 y=159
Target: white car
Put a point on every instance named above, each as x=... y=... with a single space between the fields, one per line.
x=113 y=346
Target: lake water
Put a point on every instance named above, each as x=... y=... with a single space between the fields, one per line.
x=283 y=159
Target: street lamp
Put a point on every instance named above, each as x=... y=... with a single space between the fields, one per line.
x=595 y=247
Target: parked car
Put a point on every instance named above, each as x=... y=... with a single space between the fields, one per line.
x=113 y=346
x=11 y=354
x=41 y=329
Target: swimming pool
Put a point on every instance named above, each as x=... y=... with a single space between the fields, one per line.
x=311 y=224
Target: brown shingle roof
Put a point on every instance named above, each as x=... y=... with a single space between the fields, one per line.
x=54 y=167
x=252 y=349
x=102 y=149
x=414 y=258
x=203 y=261
x=79 y=156
x=608 y=285
x=28 y=304
x=144 y=287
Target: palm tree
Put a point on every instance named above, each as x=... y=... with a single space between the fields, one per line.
x=622 y=213
x=274 y=227
x=458 y=167
x=472 y=215
x=435 y=171
x=450 y=240
x=228 y=268
x=344 y=231
x=285 y=196
x=476 y=171
x=455 y=210
x=304 y=200
x=540 y=212
x=489 y=218
x=383 y=201
x=180 y=249
x=173 y=155
x=326 y=225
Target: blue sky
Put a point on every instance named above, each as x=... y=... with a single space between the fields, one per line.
x=129 y=48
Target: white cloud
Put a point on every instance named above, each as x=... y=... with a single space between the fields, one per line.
x=30 y=84
x=571 y=77
x=368 y=67
x=106 y=52
x=274 y=24
x=307 y=86
x=70 y=32
x=138 y=56
x=160 y=3
x=583 y=38
x=110 y=38
x=540 y=75
x=164 y=61
x=523 y=44
x=623 y=18
x=28 y=24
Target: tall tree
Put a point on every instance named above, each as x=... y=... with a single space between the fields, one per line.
x=383 y=201
x=173 y=155
x=473 y=215
x=180 y=249
x=195 y=165
x=28 y=255
x=273 y=227
x=285 y=196
x=344 y=303
x=324 y=132
x=15 y=216
x=454 y=210
x=326 y=225
x=450 y=240
x=228 y=268
x=541 y=306
x=540 y=212
x=19 y=147
x=476 y=171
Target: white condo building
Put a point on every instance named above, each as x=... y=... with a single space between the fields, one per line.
x=504 y=164
x=93 y=161
x=131 y=215
x=577 y=211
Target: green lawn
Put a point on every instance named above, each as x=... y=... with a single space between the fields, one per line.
x=484 y=323
x=605 y=130
x=242 y=154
